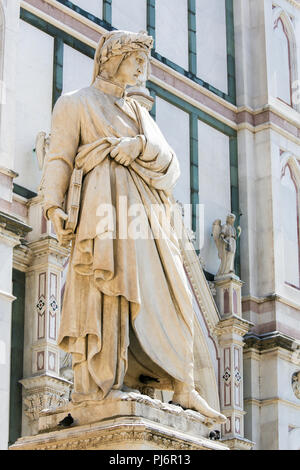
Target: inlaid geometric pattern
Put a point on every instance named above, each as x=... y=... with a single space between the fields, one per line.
x=226 y=375
x=41 y=307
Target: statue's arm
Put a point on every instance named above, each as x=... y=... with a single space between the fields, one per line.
x=65 y=136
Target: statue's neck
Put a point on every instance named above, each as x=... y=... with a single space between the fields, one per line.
x=115 y=81
x=109 y=86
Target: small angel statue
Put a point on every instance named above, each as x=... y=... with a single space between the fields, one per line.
x=296 y=384
x=42 y=144
x=225 y=238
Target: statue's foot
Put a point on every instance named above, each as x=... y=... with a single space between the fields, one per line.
x=193 y=401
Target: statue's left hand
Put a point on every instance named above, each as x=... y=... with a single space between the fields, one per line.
x=127 y=150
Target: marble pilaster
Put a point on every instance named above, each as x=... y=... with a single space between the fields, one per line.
x=42 y=385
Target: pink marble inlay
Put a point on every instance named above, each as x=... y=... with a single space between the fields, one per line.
x=226 y=301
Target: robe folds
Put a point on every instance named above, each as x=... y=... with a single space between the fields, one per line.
x=127 y=307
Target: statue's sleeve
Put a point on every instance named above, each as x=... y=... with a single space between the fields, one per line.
x=158 y=164
x=157 y=153
x=65 y=136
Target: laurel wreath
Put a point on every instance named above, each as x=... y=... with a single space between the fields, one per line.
x=123 y=44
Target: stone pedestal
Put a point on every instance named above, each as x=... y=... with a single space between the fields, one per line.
x=128 y=422
x=228 y=299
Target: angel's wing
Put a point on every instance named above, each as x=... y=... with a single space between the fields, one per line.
x=40 y=148
x=216 y=230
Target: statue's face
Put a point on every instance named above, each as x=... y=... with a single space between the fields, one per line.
x=132 y=68
x=230 y=220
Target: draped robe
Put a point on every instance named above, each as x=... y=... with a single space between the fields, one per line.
x=127 y=307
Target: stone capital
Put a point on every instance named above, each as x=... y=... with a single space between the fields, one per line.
x=48 y=251
x=233 y=325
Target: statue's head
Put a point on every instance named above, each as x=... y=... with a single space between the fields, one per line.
x=230 y=219
x=122 y=56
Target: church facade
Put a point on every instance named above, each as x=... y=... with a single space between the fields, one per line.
x=224 y=88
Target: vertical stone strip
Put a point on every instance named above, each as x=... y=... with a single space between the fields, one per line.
x=192 y=37
x=151 y=20
x=153 y=110
x=107 y=11
x=234 y=190
x=58 y=61
x=230 y=51
x=194 y=175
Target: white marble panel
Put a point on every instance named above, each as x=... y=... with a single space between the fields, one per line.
x=92 y=6
x=33 y=99
x=290 y=220
x=172 y=31
x=77 y=71
x=130 y=16
x=214 y=187
x=211 y=42
x=174 y=124
x=280 y=68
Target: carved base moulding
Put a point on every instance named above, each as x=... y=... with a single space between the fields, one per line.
x=238 y=443
x=133 y=422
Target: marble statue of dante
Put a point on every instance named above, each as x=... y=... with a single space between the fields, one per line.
x=225 y=238
x=127 y=308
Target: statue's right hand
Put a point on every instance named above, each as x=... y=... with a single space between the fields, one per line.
x=58 y=217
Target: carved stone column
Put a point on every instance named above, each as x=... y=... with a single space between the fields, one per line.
x=43 y=386
x=230 y=332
